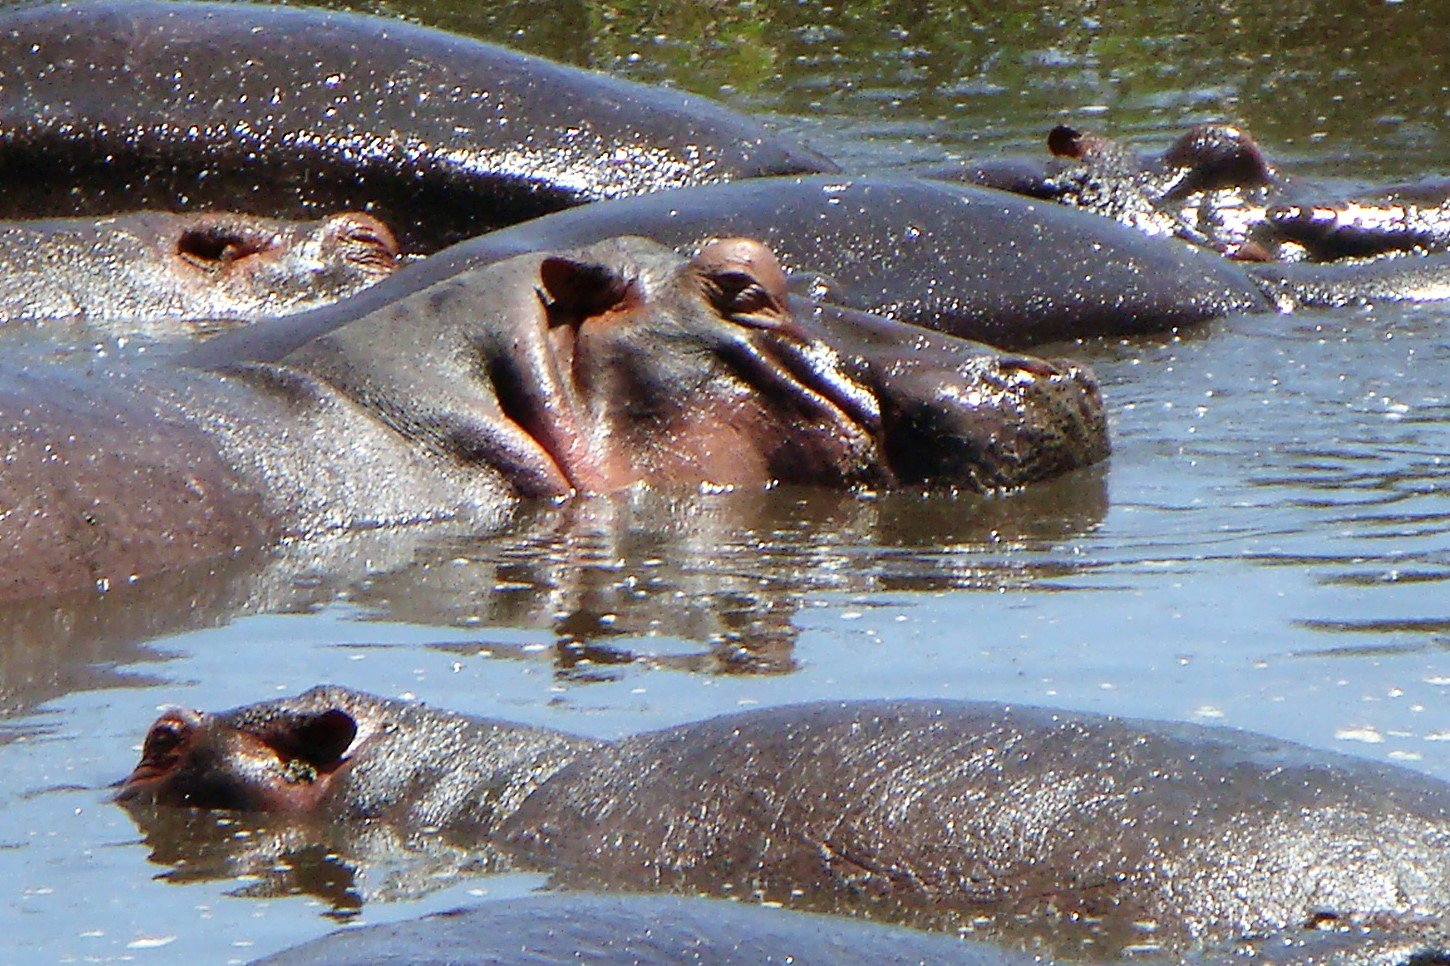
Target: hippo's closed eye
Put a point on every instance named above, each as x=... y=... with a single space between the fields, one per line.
x=743 y=281
x=363 y=240
x=165 y=736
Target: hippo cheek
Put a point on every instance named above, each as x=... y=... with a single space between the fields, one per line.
x=730 y=405
x=997 y=423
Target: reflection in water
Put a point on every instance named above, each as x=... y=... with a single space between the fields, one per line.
x=267 y=857
x=603 y=574
x=728 y=570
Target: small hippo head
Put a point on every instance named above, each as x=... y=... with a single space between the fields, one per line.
x=623 y=363
x=269 y=266
x=1214 y=157
x=283 y=762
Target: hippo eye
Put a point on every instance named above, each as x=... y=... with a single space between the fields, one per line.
x=163 y=738
x=741 y=295
x=217 y=246
x=364 y=240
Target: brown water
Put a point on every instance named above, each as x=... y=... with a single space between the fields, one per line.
x=1269 y=547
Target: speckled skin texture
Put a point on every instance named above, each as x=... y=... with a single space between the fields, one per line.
x=183 y=106
x=638 y=931
x=938 y=812
x=1402 y=278
x=167 y=274
x=1038 y=827
x=99 y=486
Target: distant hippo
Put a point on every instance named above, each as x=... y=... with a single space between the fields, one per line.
x=1038 y=827
x=1214 y=186
x=157 y=272
x=541 y=376
x=295 y=113
x=637 y=930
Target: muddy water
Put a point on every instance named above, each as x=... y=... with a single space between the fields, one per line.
x=1268 y=548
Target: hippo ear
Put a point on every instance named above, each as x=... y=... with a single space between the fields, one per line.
x=573 y=290
x=1065 y=142
x=322 y=739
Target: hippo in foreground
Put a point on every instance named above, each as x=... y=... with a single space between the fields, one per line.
x=541 y=376
x=295 y=113
x=158 y=272
x=1039 y=828
x=657 y=930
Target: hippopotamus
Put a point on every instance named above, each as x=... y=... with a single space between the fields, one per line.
x=540 y=376
x=976 y=263
x=641 y=930
x=296 y=113
x=1213 y=186
x=1038 y=827
x=159 y=272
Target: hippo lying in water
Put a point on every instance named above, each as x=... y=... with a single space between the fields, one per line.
x=185 y=106
x=1040 y=827
x=159 y=272
x=654 y=930
x=543 y=375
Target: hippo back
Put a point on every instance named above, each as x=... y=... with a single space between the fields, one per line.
x=1067 y=827
x=297 y=113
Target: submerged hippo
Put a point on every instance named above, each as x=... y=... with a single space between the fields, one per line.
x=1036 y=826
x=293 y=113
x=159 y=272
x=540 y=376
x=637 y=930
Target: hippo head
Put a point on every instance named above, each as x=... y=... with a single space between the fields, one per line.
x=283 y=763
x=261 y=263
x=622 y=363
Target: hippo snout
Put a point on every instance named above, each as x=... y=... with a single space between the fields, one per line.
x=997 y=423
